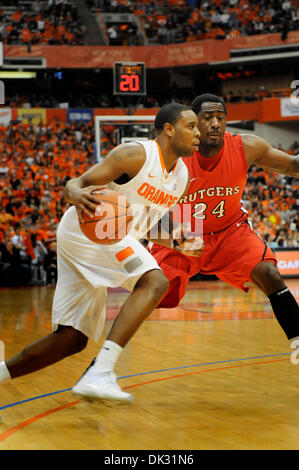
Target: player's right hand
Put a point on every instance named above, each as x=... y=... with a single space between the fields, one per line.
x=188 y=244
x=191 y=246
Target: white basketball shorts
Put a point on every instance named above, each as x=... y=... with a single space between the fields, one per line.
x=86 y=269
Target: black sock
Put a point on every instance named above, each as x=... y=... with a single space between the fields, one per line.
x=286 y=310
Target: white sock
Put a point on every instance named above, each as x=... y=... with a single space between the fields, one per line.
x=107 y=357
x=4 y=373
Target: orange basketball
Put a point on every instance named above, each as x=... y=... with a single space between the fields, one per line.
x=112 y=220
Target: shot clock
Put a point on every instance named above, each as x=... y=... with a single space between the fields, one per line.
x=129 y=78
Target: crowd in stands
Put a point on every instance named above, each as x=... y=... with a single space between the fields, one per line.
x=246 y=96
x=272 y=203
x=89 y=99
x=36 y=162
x=176 y=21
x=53 y=22
x=43 y=22
x=94 y=99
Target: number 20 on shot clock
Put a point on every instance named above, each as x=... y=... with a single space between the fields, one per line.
x=129 y=78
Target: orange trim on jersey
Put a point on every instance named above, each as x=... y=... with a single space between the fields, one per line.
x=161 y=156
x=172 y=171
x=162 y=159
x=125 y=253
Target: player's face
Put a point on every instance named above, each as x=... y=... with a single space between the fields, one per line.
x=186 y=134
x=211 y=123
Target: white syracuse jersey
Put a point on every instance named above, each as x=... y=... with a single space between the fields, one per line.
x=86 y=268
x=153 y=191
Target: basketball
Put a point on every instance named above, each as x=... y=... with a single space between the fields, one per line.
x=112 y=220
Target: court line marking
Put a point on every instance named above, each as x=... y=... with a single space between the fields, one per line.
x=201 y=372
x=203 y=320
x=29 y=421
x=147 y=373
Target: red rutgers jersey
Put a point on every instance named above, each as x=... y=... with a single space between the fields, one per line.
x=214 y=196
x=232 y=248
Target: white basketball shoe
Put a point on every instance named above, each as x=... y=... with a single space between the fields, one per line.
x=98 y=385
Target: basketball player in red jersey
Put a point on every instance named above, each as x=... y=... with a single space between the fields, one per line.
x=233 y=251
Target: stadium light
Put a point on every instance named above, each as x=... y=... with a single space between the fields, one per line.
x=8 y=74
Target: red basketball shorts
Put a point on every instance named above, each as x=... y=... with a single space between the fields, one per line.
x=231 y=255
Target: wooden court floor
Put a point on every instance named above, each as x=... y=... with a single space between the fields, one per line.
x=214 y=373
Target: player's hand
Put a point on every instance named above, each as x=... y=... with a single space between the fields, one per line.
x=188 y=244
x=191 y=246
x=85 y=201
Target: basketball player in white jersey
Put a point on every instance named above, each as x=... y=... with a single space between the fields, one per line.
x=151 y=174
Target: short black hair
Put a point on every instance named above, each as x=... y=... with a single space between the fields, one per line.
x=171 y=113
x=206 y=98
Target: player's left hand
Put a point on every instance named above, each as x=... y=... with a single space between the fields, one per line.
x=85 y=202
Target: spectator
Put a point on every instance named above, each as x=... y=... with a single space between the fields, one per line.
x=50 y=264
x=113 y=35
x=14 y=272
x=270 y=241
x=21 y=240
x=37 y=267
x=281 y=239
x=6 y=218
x=162 y=34
x=292 y=240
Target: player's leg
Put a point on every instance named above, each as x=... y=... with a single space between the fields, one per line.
x=178 y=269
x=44 y=352
x=99 y=381
x=147 y=285
x=77 y=314
x=240 y=256
x=147 y=292
x=267 y=277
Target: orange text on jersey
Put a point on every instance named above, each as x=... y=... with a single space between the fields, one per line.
x=155 y=195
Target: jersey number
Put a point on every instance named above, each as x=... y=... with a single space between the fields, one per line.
x=199 y=210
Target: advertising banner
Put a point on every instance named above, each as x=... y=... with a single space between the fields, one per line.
x=79 y=114
x=5 y=116
x=171 y=55
x=33 y=115
x=289 y=107
x=288 y=261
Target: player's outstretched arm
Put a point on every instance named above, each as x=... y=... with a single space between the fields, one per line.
x=126 y=158
x=172 y=235
x=260 y=152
